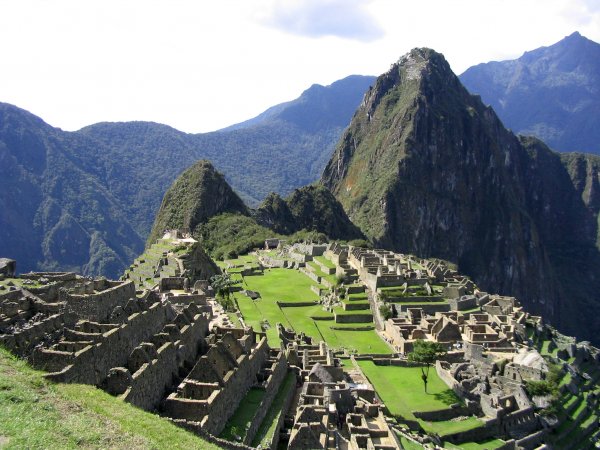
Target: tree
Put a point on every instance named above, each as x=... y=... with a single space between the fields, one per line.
x=426 y=353
x=222 y=285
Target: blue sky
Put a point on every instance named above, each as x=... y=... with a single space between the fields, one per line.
x=199 y=66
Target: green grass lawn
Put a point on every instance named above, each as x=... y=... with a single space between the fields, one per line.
x=241 y=260
x=409 y=445
x=241 y=419
x=358 y=297
x=35 y=413
x=293 y=286
x=281 y=284
x=401 y=389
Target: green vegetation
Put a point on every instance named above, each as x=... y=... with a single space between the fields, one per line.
x=400 y=388
x=240 y=421
x=35 y=413
x=291 y=286
x=489 y=444
x=269 y=425
x=223 y=285
x=386 y=311
x=228 y=235
x=426 y=353
x=326 y=262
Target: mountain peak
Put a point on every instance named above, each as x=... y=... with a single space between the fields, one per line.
x=551 y=92
x=198 y=194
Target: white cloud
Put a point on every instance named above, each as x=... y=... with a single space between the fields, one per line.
x=347 y=19
x=199 y=66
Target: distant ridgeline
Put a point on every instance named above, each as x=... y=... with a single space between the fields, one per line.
x=312 y=353
x=86 y=200
x=552 y=93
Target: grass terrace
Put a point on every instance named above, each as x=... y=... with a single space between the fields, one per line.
x=327 y=263
x=401 y=389
x=291 y=286
x=489 y=444
x=239 y=262
x=144 y=266
x=35 y=413
x=314 y=267
x=268 y=427
x=242 y=418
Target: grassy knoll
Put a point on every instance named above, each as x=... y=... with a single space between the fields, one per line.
x=37 y=414
x=401 y=389
x=241 y=419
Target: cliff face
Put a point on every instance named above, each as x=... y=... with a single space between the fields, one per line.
x=198 y=194
x=584 y=171
x=426 y=168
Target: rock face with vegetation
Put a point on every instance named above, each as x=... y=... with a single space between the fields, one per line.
x=201 y=201
x=584 y=170
x=551 y=92
x=197 y=194
x=427 y=168
x=309 y=208
x=86 y=200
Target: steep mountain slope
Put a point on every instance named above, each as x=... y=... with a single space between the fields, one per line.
x=311 y=208
x=56 y=213
x=427 y=168
x=86 y=200
x=584 y=170
x=201 y=201
x=551 y=92
x=197 y=194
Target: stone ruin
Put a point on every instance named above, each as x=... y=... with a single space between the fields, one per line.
x=333 y=411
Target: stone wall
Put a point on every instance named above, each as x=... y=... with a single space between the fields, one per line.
x=172 y=283
x=98 y=307
x=313 y=276
x=225 y=404
x=353 y=318
x=287 y=403
x=219 y=381
x=271 y=389
x=151 y=380
x=91 y=364
x=24 y=340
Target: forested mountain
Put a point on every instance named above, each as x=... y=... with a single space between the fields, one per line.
x=552 y=93
x=201 y=202
x=86 y=200
x=427 y=168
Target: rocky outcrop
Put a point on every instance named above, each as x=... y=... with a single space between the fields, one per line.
x=312 y=208
x=427 y=168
